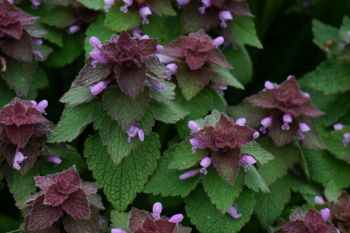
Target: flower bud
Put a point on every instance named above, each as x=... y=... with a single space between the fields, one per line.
x=73 y=29
x=94 y=41
x=144 y=37
x=306 y=95
x=218 y=41
x=176 y=218
x=117 y=230
x=338 y=126
x=157 y=85
x=256 y=135
x=325 y=213
x=37 y=41
x=160 y=48
x=193 y=126
x=266 y=122
x=304 y=127
x=205 y=162
x=319 y=200
x=99 y=57
x=157 y=209
x=189 y=174
x=241 y=121
x=287 y=118
x=197 y=143
x=269 y=85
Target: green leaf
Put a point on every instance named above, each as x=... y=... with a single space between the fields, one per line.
x=66 y=55
x=257 y=151
x=345 y=28
x=184 y=158
x=242 y=30
x=168 y=112
x=324 y=33
x=167 y=94
x=73 y=121
x=252 y=114
x=40 y=79
x=8 y=224
x=97 y=29
x=54 y=35
x=60 y=17
x=162 y=8
x=285 y=157
x=120 y=220
x=219 y=102
x=223 y=76
x=77 y=95
x=326 y=168
x=330 y=77
x=68 y=160
x=269 y=206
x=254 y=180
x=18 y=75
x=123 y=181
x=240 y=60
x=123 y=108
x=208 y=219
x=95 y=5
x=220 y=192
x=117 y=20
x=198 y=105
x=22 y=185
x=113 y=136
x=44 y=50
x=299 y=184
x=334 y=142
x=166 y=29
x=166 y=182
x=332 y=191
x=6 y=95
x=344 y=55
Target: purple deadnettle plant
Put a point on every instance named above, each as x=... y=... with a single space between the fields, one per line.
x=197 y=55
x=341 y=211
x=22 y=129
x=287 y=113
x=224 y=140
x=65 y=203
x=142 y=221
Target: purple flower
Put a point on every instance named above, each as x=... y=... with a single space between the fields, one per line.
x=173 y=69
x=73 y=29
x=266 y=122
x=135 y=130
x=205 y=162
x=35 y=3
x=338 y=126
x=193 y=126
x=189 y=174
x=319 y=200
x=176 y=219
x=232 y=211
x=223 y=16
x=136 y=32
x=166 y=59
x=326 y=213
x=40 y=106
x=94 y=41
x=303 y=127
x=346 y=139
x=52 y=159
x=38 y=54
x=287 y=118
x=206 y=4
x=182 y=2
x=96 y=89
x=109 y=4
x=157 y=209
x=19 y=158
x=241 y=121
x=144 y=12
x=245 y=160
x=218 y=41
x=269 y=85
x=125 y=7
x=196 y=143
x=117 y=230
x=157 y=85
x=37 y=41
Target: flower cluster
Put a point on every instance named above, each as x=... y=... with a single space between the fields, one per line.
x=289 y=109
x=143 y=7
x=143 y=222
x=223 y=138
x=215 y=12
x=123 y=59
x=65 y=202
x=311 y=221
x=21 y=127
x=17 y=34
x=196 y=53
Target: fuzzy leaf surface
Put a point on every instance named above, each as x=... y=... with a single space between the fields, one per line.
x=167 y=94
x=184 y=158
x=254 y=180
x=223 y=76
x=334 y=142
x=323 y=33
x=22 y=185
x=168 y=112
x=332 y=191
x=95 y=5
x=270 y=205
x=285 y=157
x=125 y=109
x=77 y=95
x=258 y=152
x=166 y=182
x=208 y=219
x=60 y=16
x=120 y=220
x=326 y=168
x=220 y=192
x=73 y=121
x=117 y=20
x=123 y=181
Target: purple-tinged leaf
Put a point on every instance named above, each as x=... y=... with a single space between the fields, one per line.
x=175 y=48
x=264 y=99
x=165 y=226
x=157 y=68
x=89 y=76
x=280 y=136
x=53 y=197
x=297 y=226
x=89 y=188
x=20 y=135
x=240 y=8
x=43 y=216
x=91 y=225
x=227 y=164
x=21 y=49
x=192 y=81
x=215 y=56
x=148 y=225
x=77 y=206
x=137 y=218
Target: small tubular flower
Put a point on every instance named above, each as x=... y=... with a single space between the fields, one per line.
x=157 y=210
x=232 y=211
x=205 y=162
x=144 y=12
x=37 y=41
x=218 y=41
x=325 y=213
x=196 y=143
x=269 y=85
x=193 y=126
x=266 y=122
x=319 y=200
x=134 y=130
x=177 y=218
x=35 y=3
x=19 y=158
x=338 y=126
x=346 y=139
x=94 y=41
x=206 y=4
x=245 y=160
x=287 y=118
x=96 y=89
x=125 y=7
x=224 y=16
x=241 y=121
x=73 y=29
x=157 y=85
x=189 y=174
x=182 y=2
x=117 y=230
x=109 y=4
x=52 y=159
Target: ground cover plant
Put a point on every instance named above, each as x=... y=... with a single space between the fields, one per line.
x=174 y=116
